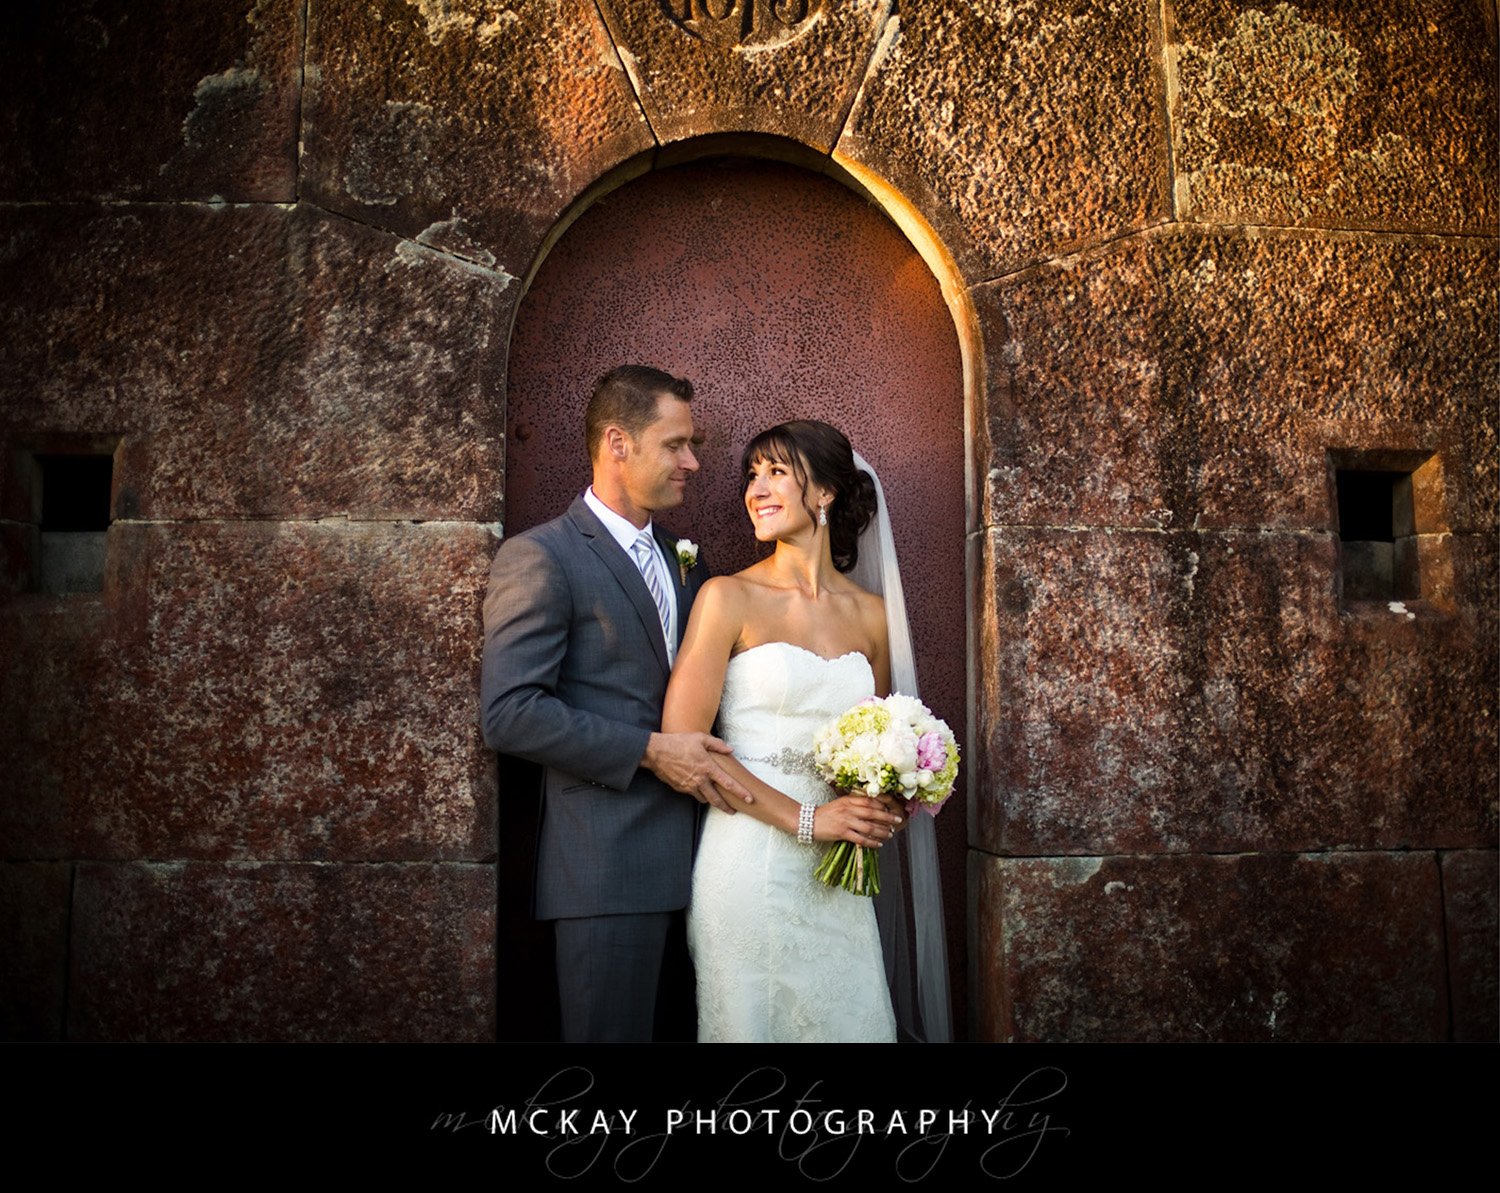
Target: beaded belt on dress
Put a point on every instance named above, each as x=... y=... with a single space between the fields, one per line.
x=789 y=761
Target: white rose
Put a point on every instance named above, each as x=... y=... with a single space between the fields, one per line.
x=898 y=746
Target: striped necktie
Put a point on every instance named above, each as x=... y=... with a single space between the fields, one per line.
x=647 y=559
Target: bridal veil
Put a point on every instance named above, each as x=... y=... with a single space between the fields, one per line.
x=910 y=904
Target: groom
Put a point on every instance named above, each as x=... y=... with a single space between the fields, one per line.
x=582 y=622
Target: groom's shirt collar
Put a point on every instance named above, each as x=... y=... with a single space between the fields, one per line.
x=620 y=529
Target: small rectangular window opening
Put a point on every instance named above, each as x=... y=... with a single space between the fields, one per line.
x=1380 y=544
x=71 y=502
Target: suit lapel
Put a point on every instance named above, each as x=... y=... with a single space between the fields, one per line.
x=623 y=568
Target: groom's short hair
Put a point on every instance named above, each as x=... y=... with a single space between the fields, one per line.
x=625 y=397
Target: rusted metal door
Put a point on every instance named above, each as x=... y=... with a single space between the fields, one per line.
x=780 y=294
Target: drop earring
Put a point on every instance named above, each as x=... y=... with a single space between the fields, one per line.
x=822 y=515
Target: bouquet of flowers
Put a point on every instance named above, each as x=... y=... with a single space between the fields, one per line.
x=892 y=746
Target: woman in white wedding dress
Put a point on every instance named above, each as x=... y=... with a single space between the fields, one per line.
x=775 y=652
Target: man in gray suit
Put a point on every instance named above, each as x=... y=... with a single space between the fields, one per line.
x=582 y=621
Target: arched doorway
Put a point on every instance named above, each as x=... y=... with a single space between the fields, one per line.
x=780 y=293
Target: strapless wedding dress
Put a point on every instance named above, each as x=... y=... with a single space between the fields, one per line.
x=780 y=957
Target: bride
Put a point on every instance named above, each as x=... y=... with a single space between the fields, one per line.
x=775 y=652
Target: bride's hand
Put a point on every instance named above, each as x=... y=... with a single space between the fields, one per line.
x=856 y=818
x=895 y=807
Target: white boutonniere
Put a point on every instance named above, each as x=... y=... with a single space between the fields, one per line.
x=687 y=557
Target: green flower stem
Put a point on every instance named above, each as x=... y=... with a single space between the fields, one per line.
x=855 y=868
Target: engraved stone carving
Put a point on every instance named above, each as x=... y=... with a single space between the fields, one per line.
x=746 y=24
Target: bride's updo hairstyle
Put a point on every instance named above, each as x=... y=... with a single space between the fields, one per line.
x=818 y=451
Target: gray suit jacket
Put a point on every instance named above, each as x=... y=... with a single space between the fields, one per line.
x=575 y=672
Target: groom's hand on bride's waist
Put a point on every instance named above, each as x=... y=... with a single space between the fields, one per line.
x=686 y=763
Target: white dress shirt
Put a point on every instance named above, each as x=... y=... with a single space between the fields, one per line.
x=624 y=532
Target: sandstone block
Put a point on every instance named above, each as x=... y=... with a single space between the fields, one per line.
x=1189 y=379
x=256 y=361
x=34 y=939
x=250 y=689
x=1378 y=115
x=255 y=952
x=461 y=125
x=1274 y=947
x=173 y=100
x=1472 y=925
x=1021 y=131
x=1187 y=692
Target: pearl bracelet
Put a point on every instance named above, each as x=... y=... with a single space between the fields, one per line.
x=805 y=823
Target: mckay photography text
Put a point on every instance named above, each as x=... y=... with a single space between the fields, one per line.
x=765 y=1116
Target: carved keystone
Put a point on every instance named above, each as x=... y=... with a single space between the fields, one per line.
x=745 y=23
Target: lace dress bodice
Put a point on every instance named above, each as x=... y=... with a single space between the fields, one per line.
x=776 y=696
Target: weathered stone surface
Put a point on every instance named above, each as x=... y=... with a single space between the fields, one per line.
x=463 y=125
x=1084 y=701
x=72 y=563
x=270 y=951
x=1375 y=728
x=1376 y=115
x=1204 y=692
x=1471 y=912
x=1193 y=379
x=20 y=556
x=1019 y=130
x=60 y=667
x=34 y=941
x=172 y=100
x=706 y=66
x=275 y=690
x=257 y=361
x=989 y=1015
x=1255 y=947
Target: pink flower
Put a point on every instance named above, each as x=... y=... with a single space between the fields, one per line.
x=932 y=754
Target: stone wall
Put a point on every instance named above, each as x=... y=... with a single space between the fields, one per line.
x=1201 y=253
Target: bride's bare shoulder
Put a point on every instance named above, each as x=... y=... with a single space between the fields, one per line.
x=870 y=604
x=753 y=579
x=721 y=590
x=719 y=612
x=732 y=597
x=868 y=610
